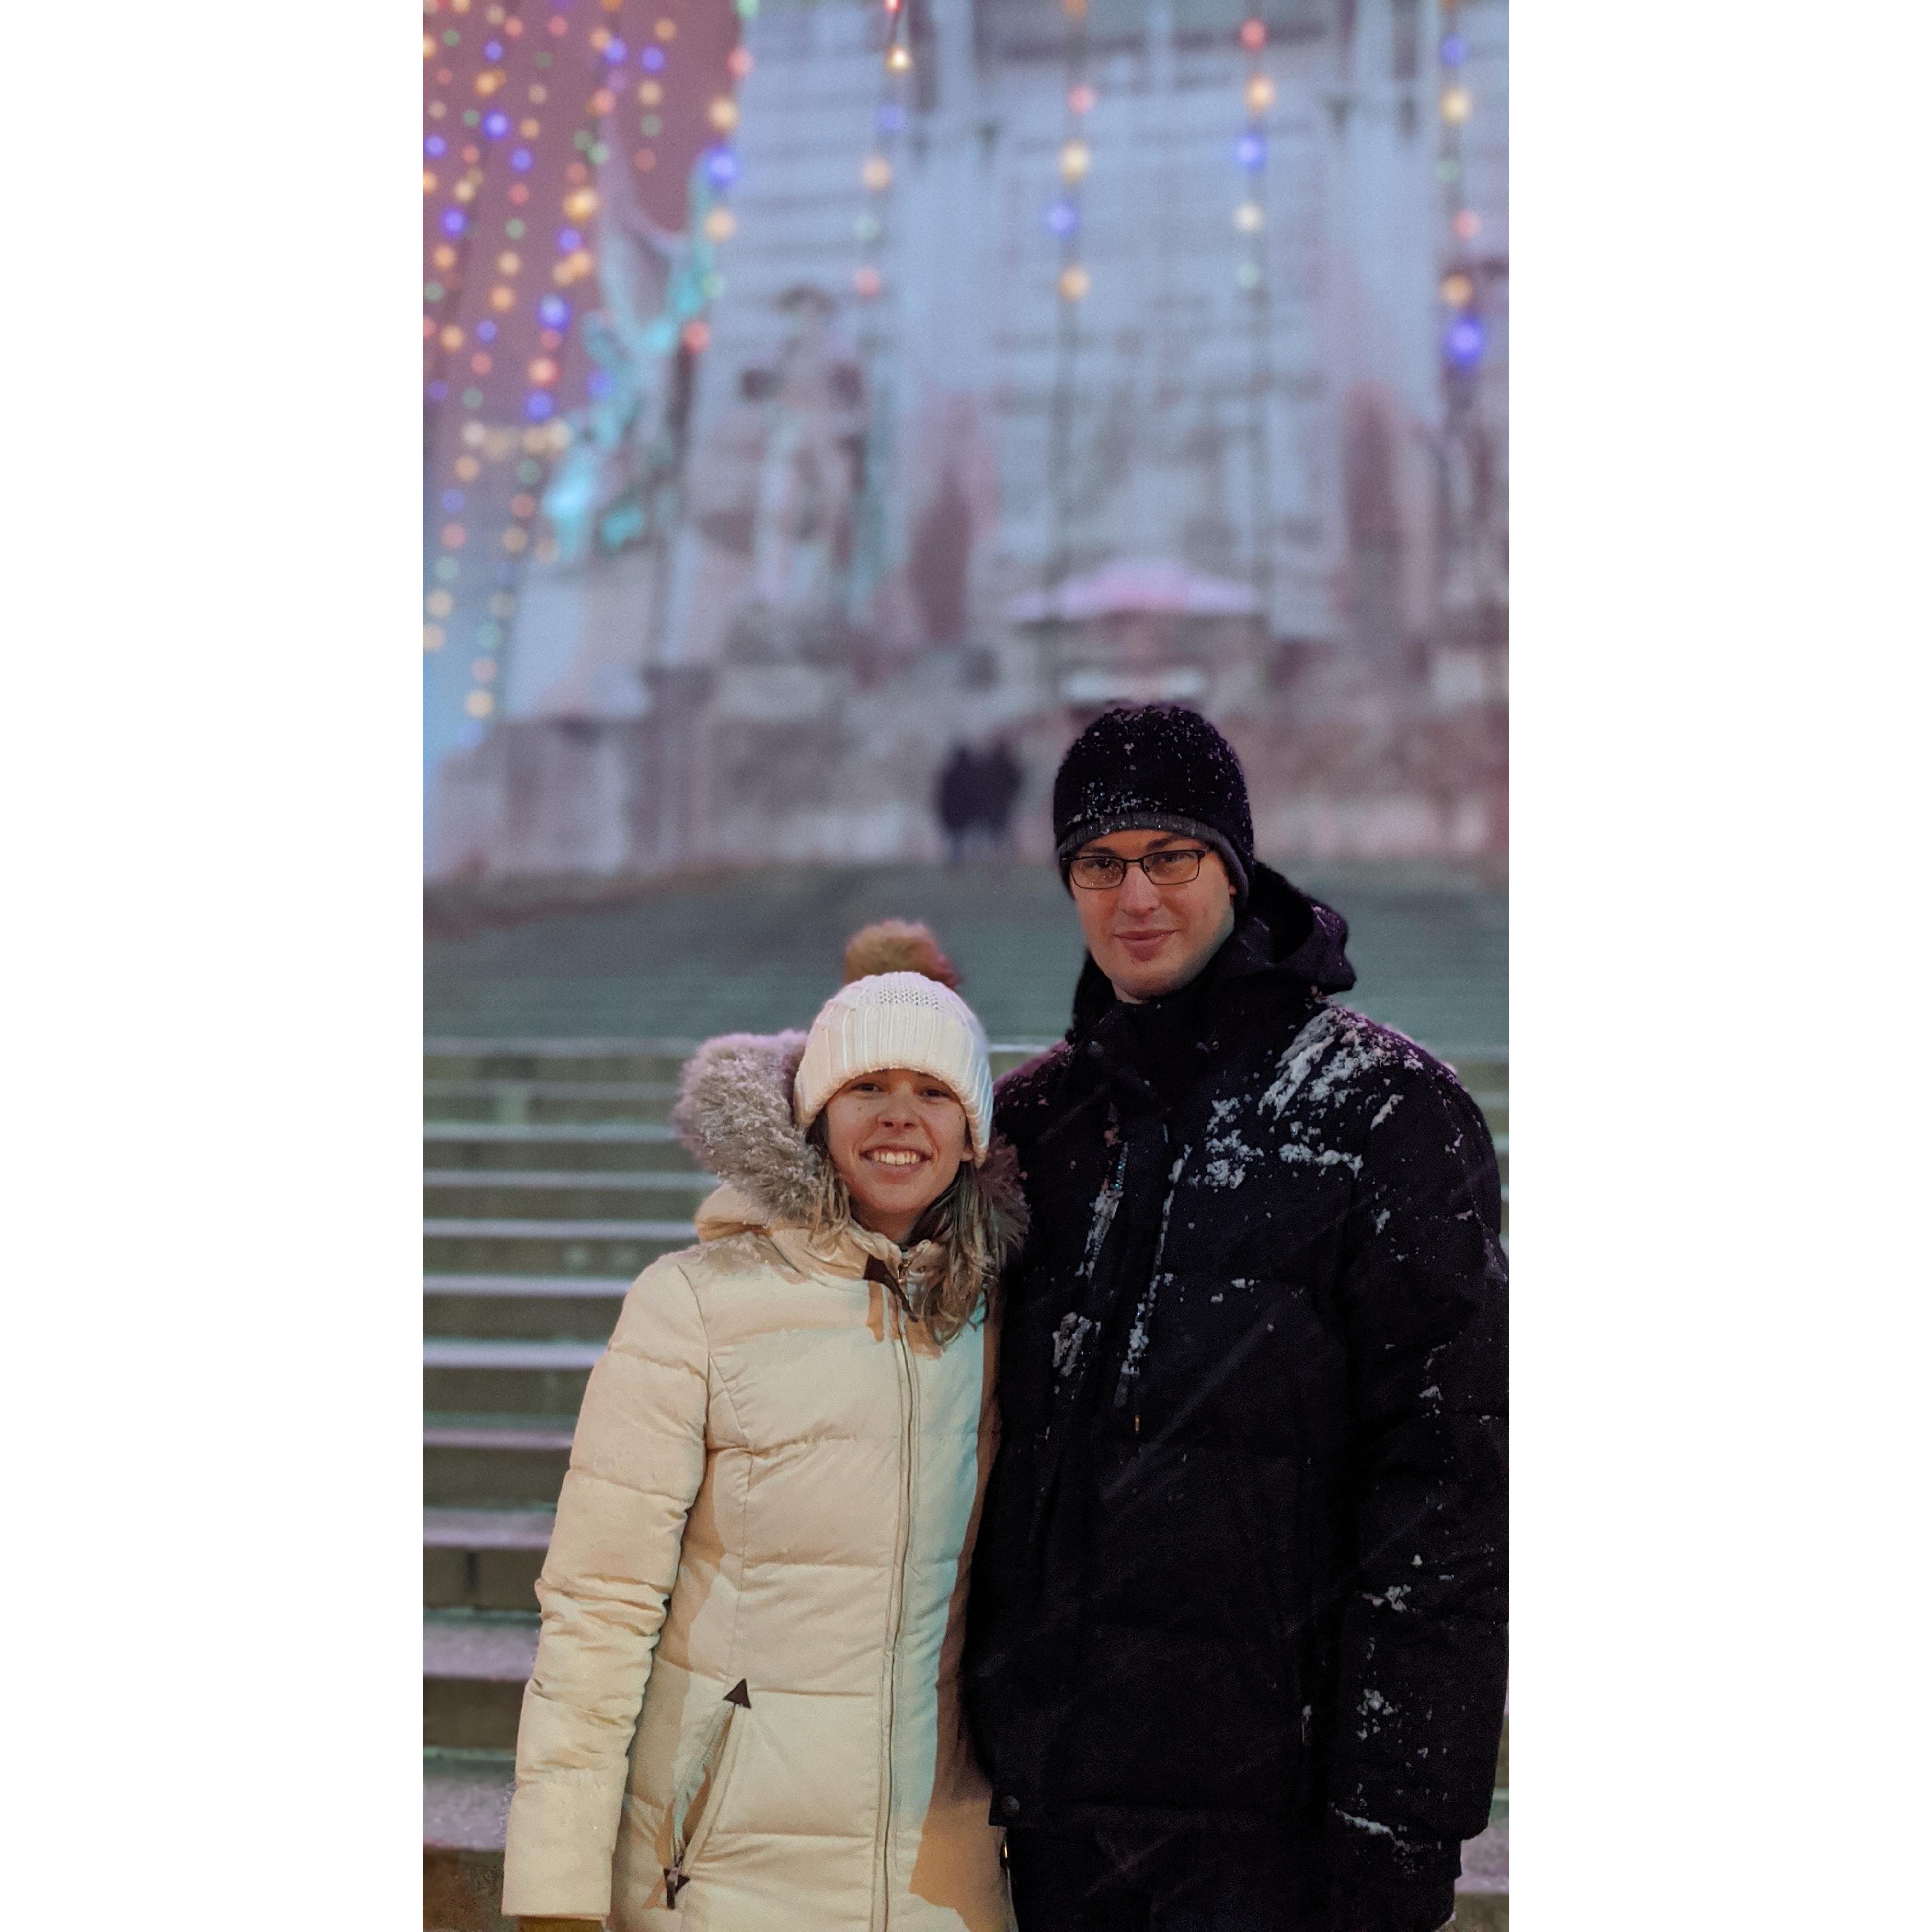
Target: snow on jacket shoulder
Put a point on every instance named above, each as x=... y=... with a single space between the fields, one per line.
x=744 y=1710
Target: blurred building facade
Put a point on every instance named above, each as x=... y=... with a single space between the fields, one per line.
x=1086 y=357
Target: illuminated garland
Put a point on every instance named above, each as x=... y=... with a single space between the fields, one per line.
x=489 y=127
x=877 y=174
x=545 y=434
x=449 y=155
x=1072 y=285
x=1464 y=336
x=494 y=126
x=1251 y=278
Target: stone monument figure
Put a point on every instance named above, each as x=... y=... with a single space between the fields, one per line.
x=803 y=517
x=611 y=485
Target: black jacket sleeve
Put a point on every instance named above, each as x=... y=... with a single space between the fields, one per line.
x=1422 y=1656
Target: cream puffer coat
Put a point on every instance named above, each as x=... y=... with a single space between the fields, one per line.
x=745 y=1712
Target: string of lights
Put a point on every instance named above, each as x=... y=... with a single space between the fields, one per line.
x=453 y=155
x=1464 y=336
x=871 y=230
x=548 y=312
x=1073 y=283
x=1251 y=277
x=546 y=434
x=495 y=131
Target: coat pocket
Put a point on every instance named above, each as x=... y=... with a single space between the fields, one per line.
x=698 y=1796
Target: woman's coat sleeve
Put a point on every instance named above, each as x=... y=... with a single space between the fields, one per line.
x=636 y=1463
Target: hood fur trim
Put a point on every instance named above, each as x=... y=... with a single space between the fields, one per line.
x=733 y=1112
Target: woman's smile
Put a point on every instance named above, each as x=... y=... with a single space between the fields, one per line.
x=894 y=1156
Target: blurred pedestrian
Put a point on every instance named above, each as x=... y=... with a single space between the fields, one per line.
x=745 y=1707
x=955 y=801
x=1237 y=1655
x=1000 y=781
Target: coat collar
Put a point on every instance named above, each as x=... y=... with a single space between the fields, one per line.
x=842 y=1251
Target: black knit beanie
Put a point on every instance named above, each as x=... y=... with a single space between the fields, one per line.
x=1155 y=768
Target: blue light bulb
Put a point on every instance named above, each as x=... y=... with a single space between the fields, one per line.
x=652 y=59
x=453 y=221
x=434 y=145
x=721 y=164
x=1464 y=342
x=451 y=501
x=538 y=406
x=1062 y=217
x=1455 y=50
x=1251 y=153
x=496 y=125
x=891 y=117
x=486 y=330
x=616 y=52
x=568 y=240
x=520 y=159
x=554 y=311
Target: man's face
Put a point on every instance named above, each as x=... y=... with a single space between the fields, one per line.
x=1150 y=939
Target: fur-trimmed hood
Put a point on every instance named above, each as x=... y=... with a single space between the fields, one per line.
x=734 y=1113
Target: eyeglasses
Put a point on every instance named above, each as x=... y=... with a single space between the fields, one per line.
x=1173 y=865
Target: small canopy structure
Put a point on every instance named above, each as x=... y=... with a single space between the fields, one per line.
x=1134 y=587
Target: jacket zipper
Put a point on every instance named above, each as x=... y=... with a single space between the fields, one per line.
x=684 y=1844
x=895 y=1606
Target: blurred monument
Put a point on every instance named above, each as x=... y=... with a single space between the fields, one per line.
x=908 y=493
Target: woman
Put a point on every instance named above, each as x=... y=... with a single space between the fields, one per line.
x=744 y=1710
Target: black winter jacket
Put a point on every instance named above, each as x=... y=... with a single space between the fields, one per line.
x=1242 y=1561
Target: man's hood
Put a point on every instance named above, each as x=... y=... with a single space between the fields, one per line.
x=1285 y=937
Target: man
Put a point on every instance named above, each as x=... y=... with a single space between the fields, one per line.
x=1236 y=1652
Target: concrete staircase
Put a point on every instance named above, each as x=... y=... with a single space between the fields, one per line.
x=550 y=1179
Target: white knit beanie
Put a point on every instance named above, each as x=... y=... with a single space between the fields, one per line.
x=898 y=1019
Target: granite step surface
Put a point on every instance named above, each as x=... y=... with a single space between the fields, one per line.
x=495 y=1462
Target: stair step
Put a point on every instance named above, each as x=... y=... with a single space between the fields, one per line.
x=459 y=1351
x=506 y=1432
x=583 y=1179
x=477 y=1375
x=528 y=1057
x=500 y=1307
x=1482 y=1892
x=476 y=1663
x=572 y=1285
x=494 y=1647
x=500 y=1088
x=483 y=1559
x=495 y=1462
x=550 y=1248
x=488 y=1529
x=675 y=1234
x=579 y=1133
x=466 y=1798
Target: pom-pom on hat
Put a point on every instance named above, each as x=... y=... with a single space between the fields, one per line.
x=1155 y=768
x=898 y=1019
x=899 y=946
